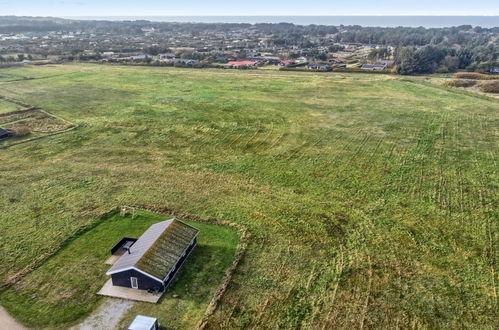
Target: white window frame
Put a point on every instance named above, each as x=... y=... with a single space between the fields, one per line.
x=132 y=279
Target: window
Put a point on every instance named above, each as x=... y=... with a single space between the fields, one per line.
x=135 y=283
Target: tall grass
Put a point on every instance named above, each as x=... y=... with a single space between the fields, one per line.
x=370 y=199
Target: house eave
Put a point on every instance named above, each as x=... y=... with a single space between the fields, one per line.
x=136 y=269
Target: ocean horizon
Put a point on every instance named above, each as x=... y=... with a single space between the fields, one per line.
x=374 y=21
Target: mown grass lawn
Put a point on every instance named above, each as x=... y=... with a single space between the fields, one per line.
x=63 y=289
x=371 y=199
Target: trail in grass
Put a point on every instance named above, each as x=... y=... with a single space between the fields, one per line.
x=7 y=322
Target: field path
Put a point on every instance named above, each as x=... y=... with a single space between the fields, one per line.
x=107 y=316
x=7 y=322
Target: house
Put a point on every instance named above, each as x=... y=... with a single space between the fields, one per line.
x=142 y=322
x=185 y=61
x=323 y=67
x=4 y=133
x=386 y=62
x=302 y=59
x=272 y=59
x=287 y=63
x=151 y=262
x=338 y=60
x=241 y=64
x=253 y=52
x=166 y=56
x=221 y=59
x=373 y=67
x=494 y=70
x=139 y=57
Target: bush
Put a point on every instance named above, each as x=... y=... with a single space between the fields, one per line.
x=474 y=75
x=442 y=69
x=490 y=87
x=20 y=131
x=460 y=83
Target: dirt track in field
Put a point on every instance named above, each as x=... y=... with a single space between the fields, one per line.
x=7 y=322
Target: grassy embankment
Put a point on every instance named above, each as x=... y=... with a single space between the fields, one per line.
x=370 y=198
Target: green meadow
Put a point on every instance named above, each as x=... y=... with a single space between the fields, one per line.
x=6 y=106
x=371 y=199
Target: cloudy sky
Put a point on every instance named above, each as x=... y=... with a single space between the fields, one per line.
x=245 y=8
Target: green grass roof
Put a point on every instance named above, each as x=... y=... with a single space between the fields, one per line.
x=162 y=256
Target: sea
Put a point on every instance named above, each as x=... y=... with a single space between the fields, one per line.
x=375 y=21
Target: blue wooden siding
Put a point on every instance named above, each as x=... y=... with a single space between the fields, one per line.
x=147 y=283
x=144 y=282
x=179 y=263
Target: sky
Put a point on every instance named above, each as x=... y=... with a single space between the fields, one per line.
x=67 y=8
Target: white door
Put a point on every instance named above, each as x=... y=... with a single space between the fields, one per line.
x=135 y=283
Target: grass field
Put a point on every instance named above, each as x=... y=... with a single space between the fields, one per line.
x=38 y=300
x=37 y=122
x=6 y=106
x=371 y=199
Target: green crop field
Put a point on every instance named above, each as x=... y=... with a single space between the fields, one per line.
x=371 y=200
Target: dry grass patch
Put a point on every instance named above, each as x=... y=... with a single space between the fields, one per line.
x=490 y=87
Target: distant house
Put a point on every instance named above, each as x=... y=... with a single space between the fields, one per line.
x=4 y=133
x=252 y=52
x=166 y=56
x=287 y=63
x=272 y=59
x=240 y=64
x=302 y=59
x=221 y=59
x=323 y=67
x=186 y=61
x=386 y=62
x=494 y=70
x=373 y=67
x=337 y=60
x=151 y=262
x=139 y=57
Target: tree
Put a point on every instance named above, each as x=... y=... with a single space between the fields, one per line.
x=465 y=58
x=451 y=63
x=406 y=60
x=427 y=59
x=379 y=53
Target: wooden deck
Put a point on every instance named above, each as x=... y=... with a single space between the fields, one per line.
x=112 y=259
x=127 y=293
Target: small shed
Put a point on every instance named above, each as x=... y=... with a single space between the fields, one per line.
x=155 y=258
x=142 y=322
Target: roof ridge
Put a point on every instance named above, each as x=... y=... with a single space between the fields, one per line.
x=157 y=238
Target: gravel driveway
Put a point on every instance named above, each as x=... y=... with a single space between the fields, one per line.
x=107 y=316
x=7 y=322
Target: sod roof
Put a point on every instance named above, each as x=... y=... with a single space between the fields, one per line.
x=157 y=251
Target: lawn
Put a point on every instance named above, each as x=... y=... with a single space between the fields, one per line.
x=371 y=199
x=63 y=289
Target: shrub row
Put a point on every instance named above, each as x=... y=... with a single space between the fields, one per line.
x=460 y=83
x=490 y=87
x=474 y=75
